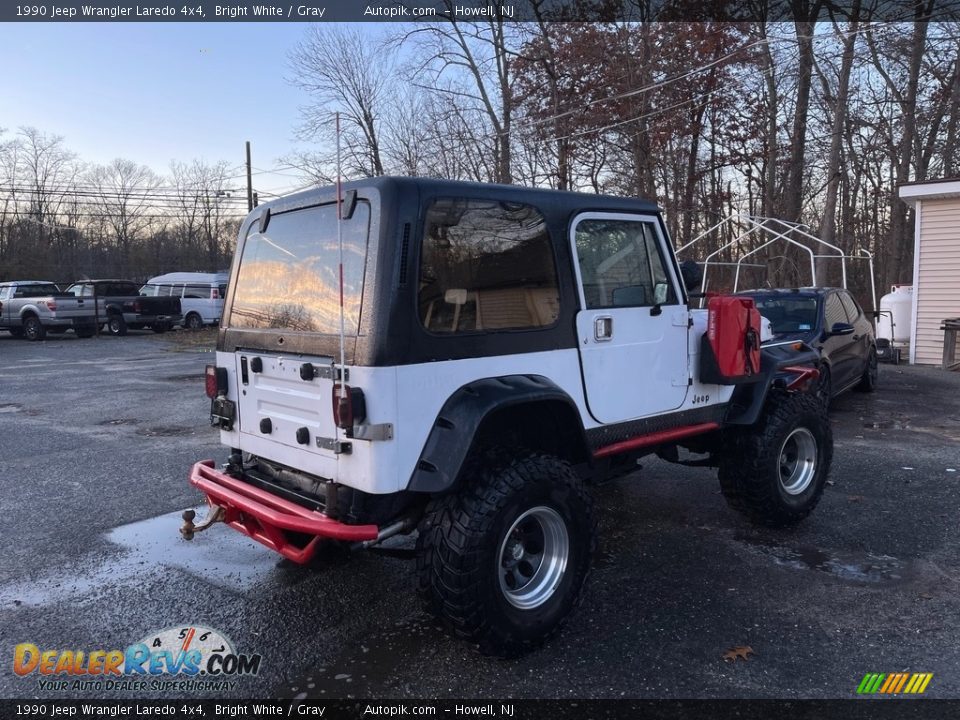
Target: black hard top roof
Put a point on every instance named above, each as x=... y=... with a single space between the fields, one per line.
x=542 y=198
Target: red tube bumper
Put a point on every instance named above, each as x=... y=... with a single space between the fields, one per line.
x=268 y=519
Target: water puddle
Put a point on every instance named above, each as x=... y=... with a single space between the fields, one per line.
x=189 y=377
x=365 y=668
x=220 y=557
x=887 y=425
x=119 y=421
x=165 y=431
x=863 y=568
x=10 y=407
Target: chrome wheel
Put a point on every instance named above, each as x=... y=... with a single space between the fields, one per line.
x=533 y=557
x=798 y=461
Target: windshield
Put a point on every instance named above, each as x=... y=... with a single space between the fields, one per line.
x=289 y=277
x=789 y=314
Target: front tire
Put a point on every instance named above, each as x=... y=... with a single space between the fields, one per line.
x=868 y=381
x=775 y=471
x=33 y=329
x=824 y=390
x=502 y=561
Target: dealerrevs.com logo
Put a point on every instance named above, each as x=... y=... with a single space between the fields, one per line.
x=183 y=658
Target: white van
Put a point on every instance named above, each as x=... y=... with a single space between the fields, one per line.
x=201 y=295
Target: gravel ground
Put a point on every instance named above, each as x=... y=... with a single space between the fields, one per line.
x=97 y=437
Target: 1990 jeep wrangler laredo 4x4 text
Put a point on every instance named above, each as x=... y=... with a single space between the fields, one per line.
x=502 y=347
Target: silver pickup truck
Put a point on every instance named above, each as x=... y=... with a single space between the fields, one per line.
x=32 y=308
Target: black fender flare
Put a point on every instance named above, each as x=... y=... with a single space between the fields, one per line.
x=454 y=430
x=748 y=400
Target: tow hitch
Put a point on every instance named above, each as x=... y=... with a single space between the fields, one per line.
x=189 y=529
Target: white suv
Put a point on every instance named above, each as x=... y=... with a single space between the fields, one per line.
x=481 y=355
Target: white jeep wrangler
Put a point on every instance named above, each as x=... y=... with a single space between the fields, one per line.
x=481 y=355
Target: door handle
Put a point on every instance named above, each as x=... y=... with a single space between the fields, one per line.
x=603 y=328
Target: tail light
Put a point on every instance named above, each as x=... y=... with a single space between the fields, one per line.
x=136 y=306
x=214 y=294
x=216 y=381
x=51 y=305
x=349 y=407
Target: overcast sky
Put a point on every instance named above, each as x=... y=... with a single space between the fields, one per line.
x=156 y=92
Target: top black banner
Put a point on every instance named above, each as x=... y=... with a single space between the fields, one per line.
x=483 y=11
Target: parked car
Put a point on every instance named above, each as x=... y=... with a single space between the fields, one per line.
x=831 y=321
x=201 y=295
x=32 y=308
x=119 y=304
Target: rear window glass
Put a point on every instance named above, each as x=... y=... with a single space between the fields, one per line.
x=36 y=290
x=289 y=275
x=486 y=265
x=789 y=314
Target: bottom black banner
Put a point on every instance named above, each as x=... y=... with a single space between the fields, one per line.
x=502 y=709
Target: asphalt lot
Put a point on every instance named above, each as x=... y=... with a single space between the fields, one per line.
x=97 y=436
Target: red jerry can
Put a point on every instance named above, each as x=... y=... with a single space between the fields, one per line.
x=733 y=331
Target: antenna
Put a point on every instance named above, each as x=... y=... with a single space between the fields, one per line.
x=343 y=365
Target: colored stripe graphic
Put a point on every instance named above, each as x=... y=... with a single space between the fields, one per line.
x=894 y=683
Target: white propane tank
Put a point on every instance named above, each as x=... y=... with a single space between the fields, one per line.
x=896 y=314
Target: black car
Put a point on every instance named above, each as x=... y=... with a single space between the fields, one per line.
x=830 y=320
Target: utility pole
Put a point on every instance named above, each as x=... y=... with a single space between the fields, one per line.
x=249 y=181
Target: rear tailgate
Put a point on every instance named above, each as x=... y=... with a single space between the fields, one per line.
x=68 y=307
x=278 y=405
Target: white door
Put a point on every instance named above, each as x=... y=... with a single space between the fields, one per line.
x=632 y=325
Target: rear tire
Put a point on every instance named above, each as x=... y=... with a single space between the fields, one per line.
x=775 y=471
x=868 y=381
x=85 y=331
x=502 y=560
x=17 y=332
x=193 y=322
x=33 y=329
x=116 y=325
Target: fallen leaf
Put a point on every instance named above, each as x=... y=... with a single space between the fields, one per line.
x=926 y=596
x=738 y=652
x=855 y=498
x=830 y=482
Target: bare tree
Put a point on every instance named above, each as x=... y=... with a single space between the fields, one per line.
x=344 y=71
x=125 y=199
x=201 y=192
x=472 y=64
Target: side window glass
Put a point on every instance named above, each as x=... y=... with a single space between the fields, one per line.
x=486 y=265
x=621 y=264
x=197 y=292
x=833 y=311
x=850 y=305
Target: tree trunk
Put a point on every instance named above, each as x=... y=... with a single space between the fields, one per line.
x=828 y=229
x=793 y=197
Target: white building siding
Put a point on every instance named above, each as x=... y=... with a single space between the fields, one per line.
x=937 y=282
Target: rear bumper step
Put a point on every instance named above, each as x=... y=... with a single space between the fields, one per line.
x=268 y=519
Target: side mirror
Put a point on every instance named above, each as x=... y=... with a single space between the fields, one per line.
x=841 y=329
x=660 y=293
